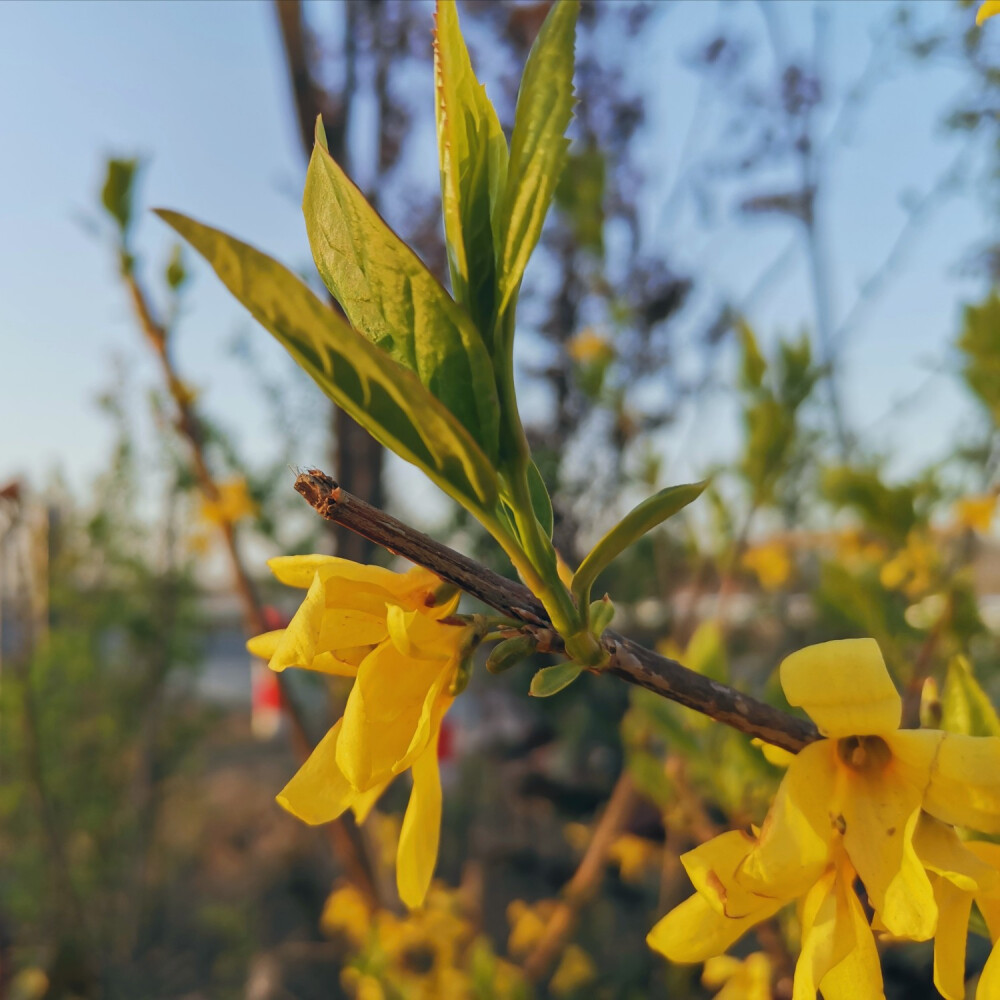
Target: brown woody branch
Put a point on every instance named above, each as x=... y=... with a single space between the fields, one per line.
x=628 y=660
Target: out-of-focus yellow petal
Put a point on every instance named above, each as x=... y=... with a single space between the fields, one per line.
x=793 y=848
x=844 y=686
x=712 y=869
x=576 y=968
x=964 y=784
x=953 y=906
x=989 y=979
x=347 y=912
x=694 y=931
x=421 y=831
x=942 y=851
x=880 y=816
x=719 y=970
x=265 y=644
x=382 y=714
x=297 y=645
x=988 y=8
x=859 y=973
x=989 y=904
x=318 y=792
x=827 y=935
x=777 y=756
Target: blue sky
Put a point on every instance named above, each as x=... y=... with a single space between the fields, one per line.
x=199 y=89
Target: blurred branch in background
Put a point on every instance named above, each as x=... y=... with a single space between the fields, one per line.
x=225 y=508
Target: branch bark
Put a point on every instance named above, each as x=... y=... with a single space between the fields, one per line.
x=628 y=660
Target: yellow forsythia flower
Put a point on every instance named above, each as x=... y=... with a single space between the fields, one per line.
x=383 y=629
x=576 y=968
x=770 y=562
x=232 y=504
x=589 y=346
x=527 y=924
x=739 y=979
x=347 y=912
x=987 y=9
x=976 y=513
x=867 y=801
x=911 y=569
x=634 y=855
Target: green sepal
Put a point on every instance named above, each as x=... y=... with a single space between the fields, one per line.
x=551 y=680
x=646 y=516
x=600 y=615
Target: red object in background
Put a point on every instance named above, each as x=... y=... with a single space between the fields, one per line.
x=446 y=741
x=265 y=692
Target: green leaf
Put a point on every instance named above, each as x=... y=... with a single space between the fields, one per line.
x=706 y=652
x=580 y=196
x=538 y=144
x=385 y=398
x=392 y=299
x=966 y=708
x=646 y=516
x=541 y=502
x=116 y=195
x=600 y=615
x=551 y=680
x=473 y=155
x=754 y=365
x=176 y=273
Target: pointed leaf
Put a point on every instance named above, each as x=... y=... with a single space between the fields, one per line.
x=473 y=154
x=538 y=144
x=541 y=502
x=385 y=398
x=646 y=516
x=391 y=298
x=551 y=680
x=965 y=706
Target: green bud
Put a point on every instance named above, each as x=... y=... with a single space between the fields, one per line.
x=601 y=613
x=509 y=653
x=461 y=679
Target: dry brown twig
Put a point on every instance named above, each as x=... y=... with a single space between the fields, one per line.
x=628 y=660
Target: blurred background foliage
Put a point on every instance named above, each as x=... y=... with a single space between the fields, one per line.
x=141 y=853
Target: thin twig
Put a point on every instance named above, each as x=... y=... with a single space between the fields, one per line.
x=628 y=660
x=343 y=834
x=584 y=883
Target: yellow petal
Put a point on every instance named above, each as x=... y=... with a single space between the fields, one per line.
x=941 y=851
x=793 y=848
x=964 y=787
x=954 y=906
x=859 y=973
x=383 y=712
x=265 y=644
x=827 y=935
x=988 y=903
x=989 y=979
x=844 y=686
x=421 y=831
x=298 y=571
x=988 y=8
x=694 y=931
x=297 y=645
x=319 y=792
x=341 y=628
x=712 y=869
x=363 y=802
x=880 y=816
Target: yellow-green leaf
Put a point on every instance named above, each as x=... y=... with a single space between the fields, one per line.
x=965 y=706
x=551 y=680
x=473 y=155
x=385 y=398
x=642 y=518
x=538 y=143
x=391 y=298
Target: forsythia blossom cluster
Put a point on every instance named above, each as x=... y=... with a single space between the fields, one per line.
x=385 y=630
x=868 y=802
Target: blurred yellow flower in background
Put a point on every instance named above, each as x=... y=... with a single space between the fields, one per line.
x=589 y=347
x=232 y=504
x=976 y=512
x=771 y=563
x=634 y=856
x=575 y=970
x=911 y=569
x=739 y=979
x=987 y=9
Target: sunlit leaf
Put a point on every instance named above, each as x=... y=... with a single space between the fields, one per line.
x=551 y=680
x=965 y=706
x=385 y=398
x=116 y=195
x=392 y=299
x=473 y=156
x=642 y=518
